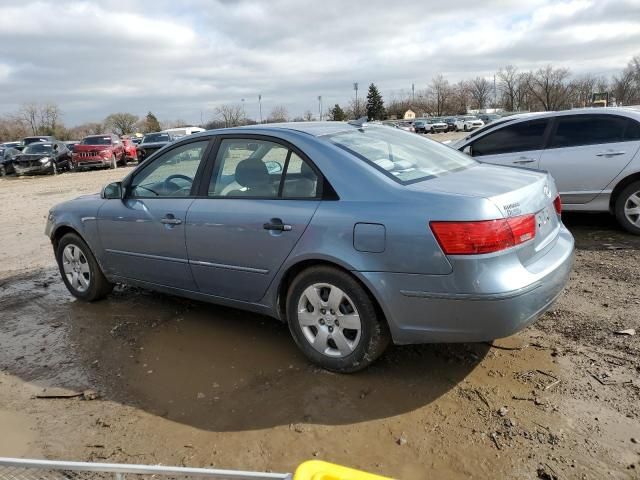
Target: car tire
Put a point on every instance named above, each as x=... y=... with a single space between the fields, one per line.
x=627 y=203
x=54 y=168
x=114 y=162
x=465 y=128
x=317 y=331
x=3 y=171
x=79 y=269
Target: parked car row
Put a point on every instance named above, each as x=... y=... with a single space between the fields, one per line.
x=464 y=123
x=47 y=155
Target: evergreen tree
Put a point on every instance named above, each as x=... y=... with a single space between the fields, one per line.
x=151 y=124
x=337 y=114
x=375 y=105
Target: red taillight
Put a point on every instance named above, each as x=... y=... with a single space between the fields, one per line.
x=557 y=203
x=486 y=236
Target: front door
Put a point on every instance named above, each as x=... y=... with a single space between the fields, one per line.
x=586 y=152
x=260 y=199
x=143 y=236
x=515 y=145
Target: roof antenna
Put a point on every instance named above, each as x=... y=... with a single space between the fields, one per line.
x=361 y=122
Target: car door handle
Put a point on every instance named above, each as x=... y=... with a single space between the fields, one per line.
x=609 y=154
x=523 y=160
x=170 y=219
x=277 y=225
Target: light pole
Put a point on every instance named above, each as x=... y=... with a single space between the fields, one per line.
x=357 y=109
x=260 y=103
x=244 y=115
x=320 y=107
x=413 y=93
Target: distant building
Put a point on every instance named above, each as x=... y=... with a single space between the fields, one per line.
x=409 y=115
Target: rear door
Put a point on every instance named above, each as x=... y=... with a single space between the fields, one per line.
x=260 y=198
x=586 y=152
x=520 y=144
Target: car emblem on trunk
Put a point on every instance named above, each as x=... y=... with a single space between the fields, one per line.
x=546 y=191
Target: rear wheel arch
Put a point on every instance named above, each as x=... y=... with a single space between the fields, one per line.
x=621 y=185
x=296 y=269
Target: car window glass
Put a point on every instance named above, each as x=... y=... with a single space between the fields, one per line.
x=519 y=137
x=633 y=130
x=300 y=180
x=573 y=131
x=171 y=174
x=248 y=168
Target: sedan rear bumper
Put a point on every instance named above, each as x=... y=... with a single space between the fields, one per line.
x=417 y=315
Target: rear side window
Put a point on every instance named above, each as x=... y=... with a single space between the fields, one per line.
x=521 y=137
x=633 y=131
x=573 y=131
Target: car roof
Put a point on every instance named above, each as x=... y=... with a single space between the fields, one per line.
x=316 y=129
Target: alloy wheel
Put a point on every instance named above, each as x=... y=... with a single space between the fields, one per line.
x=76 y=268
x=632 y=209
x=329 y=320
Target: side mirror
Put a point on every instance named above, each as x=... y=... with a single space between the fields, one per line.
x=113 y=191
x=468 y=150
x=273 y=167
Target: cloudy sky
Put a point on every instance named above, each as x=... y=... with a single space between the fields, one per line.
x=182 y=58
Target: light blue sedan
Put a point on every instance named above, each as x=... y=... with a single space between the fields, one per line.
x=356 y=235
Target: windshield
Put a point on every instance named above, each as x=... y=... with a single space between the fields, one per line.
x=38 y=148
x=156 y=137
x=403 y=156
x=96 y=141
x=28 y=141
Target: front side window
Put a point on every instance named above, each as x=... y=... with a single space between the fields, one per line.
x=403 y=156
x=171 y=174
x=520 y=137
x=577 y=130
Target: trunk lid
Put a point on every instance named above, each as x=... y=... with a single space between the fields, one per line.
x=514 y=191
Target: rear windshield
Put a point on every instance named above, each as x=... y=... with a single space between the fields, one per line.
x=38 y=148
x=97 y=141
x=403 y=156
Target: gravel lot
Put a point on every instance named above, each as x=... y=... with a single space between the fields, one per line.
x=186 y=383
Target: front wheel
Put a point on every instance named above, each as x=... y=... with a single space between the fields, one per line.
x=80 y=270
x=334 y=320
x=114 y=162
x=627 y=208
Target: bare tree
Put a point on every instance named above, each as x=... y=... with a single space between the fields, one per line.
x=551 y=87
x=13 y=128
x=480 y=91
x=121 y=123
x=41 y=118
x=231 y=115
x=623 y=87
x=80 y=131
x=439 y=95
x=279 y=113
x=460 y=97
x=583 y=88
x=509 y=83
x=308 y=116
x=356 y=109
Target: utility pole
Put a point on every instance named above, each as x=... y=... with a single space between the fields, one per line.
x=495 y=96
x=244 y=115
x=413 y=94
x=260 y=103
x=320 y=107
x=357 y=107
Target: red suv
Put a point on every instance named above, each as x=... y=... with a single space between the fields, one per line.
x=99 y=151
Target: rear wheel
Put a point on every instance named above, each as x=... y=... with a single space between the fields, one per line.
x=627 y=208
x=3 y=171
x=334 y=321
x=114 y=162
x=80 y=270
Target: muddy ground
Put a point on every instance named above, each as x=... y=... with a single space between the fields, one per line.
x=186 y=383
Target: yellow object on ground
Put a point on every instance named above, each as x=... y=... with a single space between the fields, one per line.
x=317 y=470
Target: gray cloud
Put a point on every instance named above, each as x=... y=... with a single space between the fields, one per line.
x=179 y=59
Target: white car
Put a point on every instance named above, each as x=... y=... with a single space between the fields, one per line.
x=593 y=154
x=468 y=122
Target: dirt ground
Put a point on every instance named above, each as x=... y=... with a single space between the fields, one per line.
x=186 y=383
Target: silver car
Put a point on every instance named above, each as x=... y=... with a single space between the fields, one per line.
x=355 y=235
x=591 y=153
